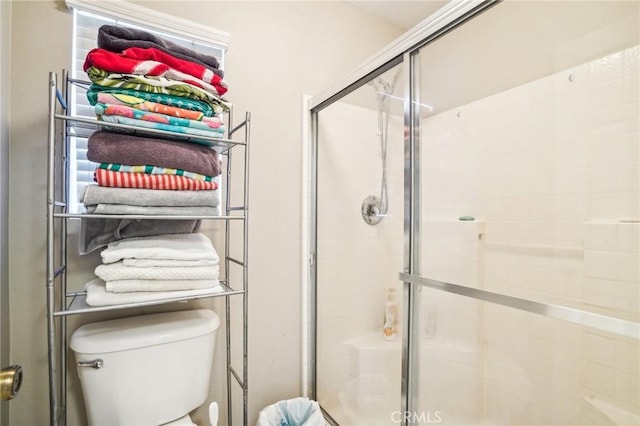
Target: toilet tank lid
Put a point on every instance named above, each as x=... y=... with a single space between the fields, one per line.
x=142 y=331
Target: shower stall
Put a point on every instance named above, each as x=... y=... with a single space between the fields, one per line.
x=485 y=166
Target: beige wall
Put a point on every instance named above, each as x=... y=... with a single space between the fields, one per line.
x=278 y=51
x=36 y=49
x=5 y=39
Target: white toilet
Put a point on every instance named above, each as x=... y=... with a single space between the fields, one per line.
x=146 y=370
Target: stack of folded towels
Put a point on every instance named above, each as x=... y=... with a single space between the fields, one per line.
x=145 y=81
x=161 y=177
x=146 y=269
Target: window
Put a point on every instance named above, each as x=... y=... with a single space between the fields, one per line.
x=85 y=33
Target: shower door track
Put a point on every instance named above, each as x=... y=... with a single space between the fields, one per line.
x=572 y=315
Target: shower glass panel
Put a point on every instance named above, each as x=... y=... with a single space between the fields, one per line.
x=530 y=188
x=512 y=367
x=359 y=252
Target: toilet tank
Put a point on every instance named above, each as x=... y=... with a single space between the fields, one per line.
x=154 y=368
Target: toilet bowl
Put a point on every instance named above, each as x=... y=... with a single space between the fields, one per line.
x=146 y=370
x=186 y=420
x=182 y=421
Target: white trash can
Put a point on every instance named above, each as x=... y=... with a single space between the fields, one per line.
x=292 y=412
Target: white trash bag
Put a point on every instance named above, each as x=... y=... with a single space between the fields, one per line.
x=292 y=412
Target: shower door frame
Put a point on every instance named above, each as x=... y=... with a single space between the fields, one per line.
x=405 y=50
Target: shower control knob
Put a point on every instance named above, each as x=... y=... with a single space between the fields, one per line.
x=370 y=210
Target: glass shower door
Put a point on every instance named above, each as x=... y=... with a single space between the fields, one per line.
x=359 y=253
x=530 y=180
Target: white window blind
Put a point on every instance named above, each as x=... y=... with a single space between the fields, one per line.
x=85 y=36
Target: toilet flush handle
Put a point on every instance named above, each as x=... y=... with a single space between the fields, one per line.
x=96 y=363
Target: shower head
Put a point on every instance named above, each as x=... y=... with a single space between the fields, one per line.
x=384 y=87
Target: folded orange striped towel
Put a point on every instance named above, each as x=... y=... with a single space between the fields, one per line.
x=142 y=180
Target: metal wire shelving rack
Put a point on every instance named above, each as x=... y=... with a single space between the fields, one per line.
x=61 y=302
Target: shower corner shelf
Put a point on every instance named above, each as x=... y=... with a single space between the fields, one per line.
x=62 y=303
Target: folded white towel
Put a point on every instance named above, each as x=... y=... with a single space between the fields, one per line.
x=174 y=246
x=97 y=295
x=147 y=263
x=117 y=271
x=124 y=286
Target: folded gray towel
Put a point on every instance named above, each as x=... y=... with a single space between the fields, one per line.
x=153 y=210
x=117 y=39
x=95 y=194
x=119 y=148
x=98 y=233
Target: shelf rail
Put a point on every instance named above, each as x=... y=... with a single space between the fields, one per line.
x=93 y=123
x=231 y=372
x=141 y=216
x=50 y=269
x=78 y=304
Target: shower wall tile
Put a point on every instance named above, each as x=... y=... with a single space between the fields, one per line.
x=567 y=370
x=567 y=234
x=570 y=181
x=598 y=378
x=607 y=206
x=606 y=179
x=629 y=177
x=569 y=154
x=627 y=353
x=628 y=388
x=616 y=298
x=612 y=265
x=601 y=236
x=617 y=149
x=617 y=266
x=571 y=208
x=628 y=237
x=564 y=410
x=599 y=349
x=450 y=250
